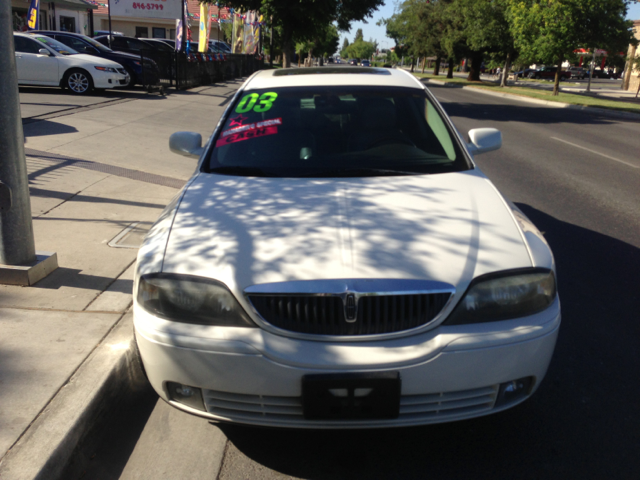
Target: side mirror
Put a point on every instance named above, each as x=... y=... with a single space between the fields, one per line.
x=44 y=51
x=482 y=140
x=188 y=144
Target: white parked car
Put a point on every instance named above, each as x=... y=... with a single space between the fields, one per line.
x=339 y=261
x=41 y=60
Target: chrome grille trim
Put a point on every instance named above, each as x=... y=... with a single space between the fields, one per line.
x=325 y=314
x=306 y=296
x=437 y=407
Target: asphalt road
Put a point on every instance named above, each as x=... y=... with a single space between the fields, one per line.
x=577 y=176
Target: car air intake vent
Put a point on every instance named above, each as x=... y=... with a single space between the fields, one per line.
x=325 y=315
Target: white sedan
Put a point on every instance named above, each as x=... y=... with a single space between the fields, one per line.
x=339 y=261
x=41 y=60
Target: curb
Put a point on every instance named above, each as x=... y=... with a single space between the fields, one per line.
x=600 y=111
x=108 y=378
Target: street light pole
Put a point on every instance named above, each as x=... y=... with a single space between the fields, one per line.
x=17 y=246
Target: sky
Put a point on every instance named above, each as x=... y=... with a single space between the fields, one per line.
x=372 y=31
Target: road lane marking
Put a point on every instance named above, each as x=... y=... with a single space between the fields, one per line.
x=597 y=153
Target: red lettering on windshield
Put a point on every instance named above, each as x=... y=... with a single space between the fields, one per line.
x=246 y=135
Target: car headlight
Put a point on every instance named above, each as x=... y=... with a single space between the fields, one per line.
x=190 y=299
x=504 y=296
x=106 y=69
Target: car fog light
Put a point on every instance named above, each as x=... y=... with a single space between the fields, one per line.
x=514 y=391
x=186 y=395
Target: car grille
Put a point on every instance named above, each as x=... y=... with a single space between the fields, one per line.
x=436 y=407
x=325 y=315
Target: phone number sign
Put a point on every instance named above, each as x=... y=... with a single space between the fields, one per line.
x=169 y=9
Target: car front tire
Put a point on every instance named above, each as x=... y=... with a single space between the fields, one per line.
x=78 y=81
x=132 y=79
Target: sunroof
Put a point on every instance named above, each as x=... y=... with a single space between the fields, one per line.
x=330 y=71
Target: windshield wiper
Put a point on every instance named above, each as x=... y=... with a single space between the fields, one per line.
x=241 y=171
x=360 y=172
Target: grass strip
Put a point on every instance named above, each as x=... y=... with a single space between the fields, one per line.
x=571 y=98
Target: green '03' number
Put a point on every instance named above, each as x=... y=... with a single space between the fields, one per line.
x=248 y=102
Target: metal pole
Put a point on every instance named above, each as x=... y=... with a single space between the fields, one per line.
x=271 y=44
x=110 y=30
x=591 y=66
x=183 y=43
x=17 y=245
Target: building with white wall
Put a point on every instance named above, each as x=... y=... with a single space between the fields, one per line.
x=64 y=15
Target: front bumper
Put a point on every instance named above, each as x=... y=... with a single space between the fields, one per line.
x=109 y=79
x=254 y=377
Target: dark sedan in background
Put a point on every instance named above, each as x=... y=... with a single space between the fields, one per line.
x=87 y=45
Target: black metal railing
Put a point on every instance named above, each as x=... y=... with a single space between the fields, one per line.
x=182 y=71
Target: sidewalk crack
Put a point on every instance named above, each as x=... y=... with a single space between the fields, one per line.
x=110 y=283
x=71 y=197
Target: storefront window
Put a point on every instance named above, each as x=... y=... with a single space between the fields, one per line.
x=67 y=24
x=142 y=32
x=19 y=18
x=159 y=32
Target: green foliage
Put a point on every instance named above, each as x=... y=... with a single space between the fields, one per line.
x=359 y=49
x=345 y=44
x=307 y=19
x=359 y=36
x=550 y=30
x=327 y=44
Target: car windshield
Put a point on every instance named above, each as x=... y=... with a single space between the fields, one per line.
x=334 y=132
x=98 y=45
x=57 y=46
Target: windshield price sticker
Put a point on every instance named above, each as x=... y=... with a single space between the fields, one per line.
x=264 y=102
x=249 y=131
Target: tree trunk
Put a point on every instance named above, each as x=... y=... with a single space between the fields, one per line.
x=556 y=84
x=507 y=67
x=436 y=68
x=424 y=63
x=412 y=64
x=286 y=47
x=450 y=69
x=476 y=65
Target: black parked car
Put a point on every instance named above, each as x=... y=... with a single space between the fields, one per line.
x=87 y=45
x=122 y=43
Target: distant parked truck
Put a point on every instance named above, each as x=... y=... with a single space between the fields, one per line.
x=548 y=73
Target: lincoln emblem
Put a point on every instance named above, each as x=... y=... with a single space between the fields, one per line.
x=350 y=308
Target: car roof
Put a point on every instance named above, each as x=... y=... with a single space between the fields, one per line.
x=55 y=32
x=327 y=76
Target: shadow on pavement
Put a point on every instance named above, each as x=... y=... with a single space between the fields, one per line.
x=528 y=113
x=582 y=422
x=47 y=127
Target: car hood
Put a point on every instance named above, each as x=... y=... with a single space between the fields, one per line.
x=123 y=56
x=246 y=230
x=83 y=58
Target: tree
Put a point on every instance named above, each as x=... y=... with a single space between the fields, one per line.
x=307 y=19
x=549 y=30
x=359 y=49
x=359 y=36
x=345 y=44
x=487 y=29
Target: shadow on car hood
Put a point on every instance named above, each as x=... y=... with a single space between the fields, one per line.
x=246 y=230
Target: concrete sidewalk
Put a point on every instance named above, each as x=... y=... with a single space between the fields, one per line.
x=98 y=180
x=599 y=88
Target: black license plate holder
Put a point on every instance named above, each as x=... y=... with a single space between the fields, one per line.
x=351 y=396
